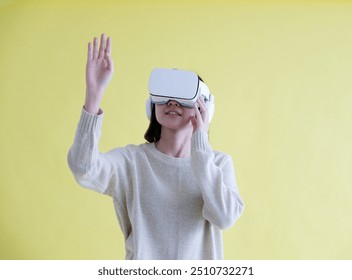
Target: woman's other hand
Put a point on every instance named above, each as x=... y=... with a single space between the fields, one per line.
x=200 y=121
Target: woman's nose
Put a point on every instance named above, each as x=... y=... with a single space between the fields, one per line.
x=173 y=103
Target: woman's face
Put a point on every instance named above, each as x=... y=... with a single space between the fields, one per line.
x=174 y=116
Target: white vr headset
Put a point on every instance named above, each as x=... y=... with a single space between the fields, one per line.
x=185 y=87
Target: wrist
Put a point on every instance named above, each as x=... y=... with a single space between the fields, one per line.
x=92 y=101
x=200 y=141
x=91 y=109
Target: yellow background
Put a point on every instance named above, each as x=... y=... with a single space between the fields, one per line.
x=281 y=75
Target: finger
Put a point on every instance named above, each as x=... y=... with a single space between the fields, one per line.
x=194 y=123
x=198 y=114
x=203 y=108
x=108 y=46
x=196 y=120
x=109 y=62
x=201 y=104
x=95 y=48
x=102 y=46
x=89 y=53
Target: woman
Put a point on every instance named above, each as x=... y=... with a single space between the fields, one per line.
x=173 y=195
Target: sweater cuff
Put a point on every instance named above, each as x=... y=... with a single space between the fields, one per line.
x=200 y=141
x=90 y=122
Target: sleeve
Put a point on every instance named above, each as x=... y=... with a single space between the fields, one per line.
x=90 y=168
x=223 y=204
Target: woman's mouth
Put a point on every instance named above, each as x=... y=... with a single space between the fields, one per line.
x=173 y=113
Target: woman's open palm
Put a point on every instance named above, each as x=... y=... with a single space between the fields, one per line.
x=100 y=67
x=99 y=70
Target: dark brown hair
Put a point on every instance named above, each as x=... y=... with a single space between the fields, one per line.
x=154 y=130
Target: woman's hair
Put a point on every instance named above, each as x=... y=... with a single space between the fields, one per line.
x=153 y=132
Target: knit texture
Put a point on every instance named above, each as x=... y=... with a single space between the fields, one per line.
x=167 y=207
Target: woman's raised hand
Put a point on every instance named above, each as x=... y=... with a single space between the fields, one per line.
x=99 y=70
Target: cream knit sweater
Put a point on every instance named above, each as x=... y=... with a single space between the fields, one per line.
x=167 y=208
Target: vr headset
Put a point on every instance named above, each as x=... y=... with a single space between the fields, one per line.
x=183 y=86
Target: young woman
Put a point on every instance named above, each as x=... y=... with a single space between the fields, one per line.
x=172 y=195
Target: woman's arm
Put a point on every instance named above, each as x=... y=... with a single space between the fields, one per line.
x=222 y=202
x=90 y=168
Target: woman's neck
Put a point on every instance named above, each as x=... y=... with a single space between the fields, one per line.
x=174 y=143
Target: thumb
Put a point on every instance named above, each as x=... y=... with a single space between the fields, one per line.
x=194 y=123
